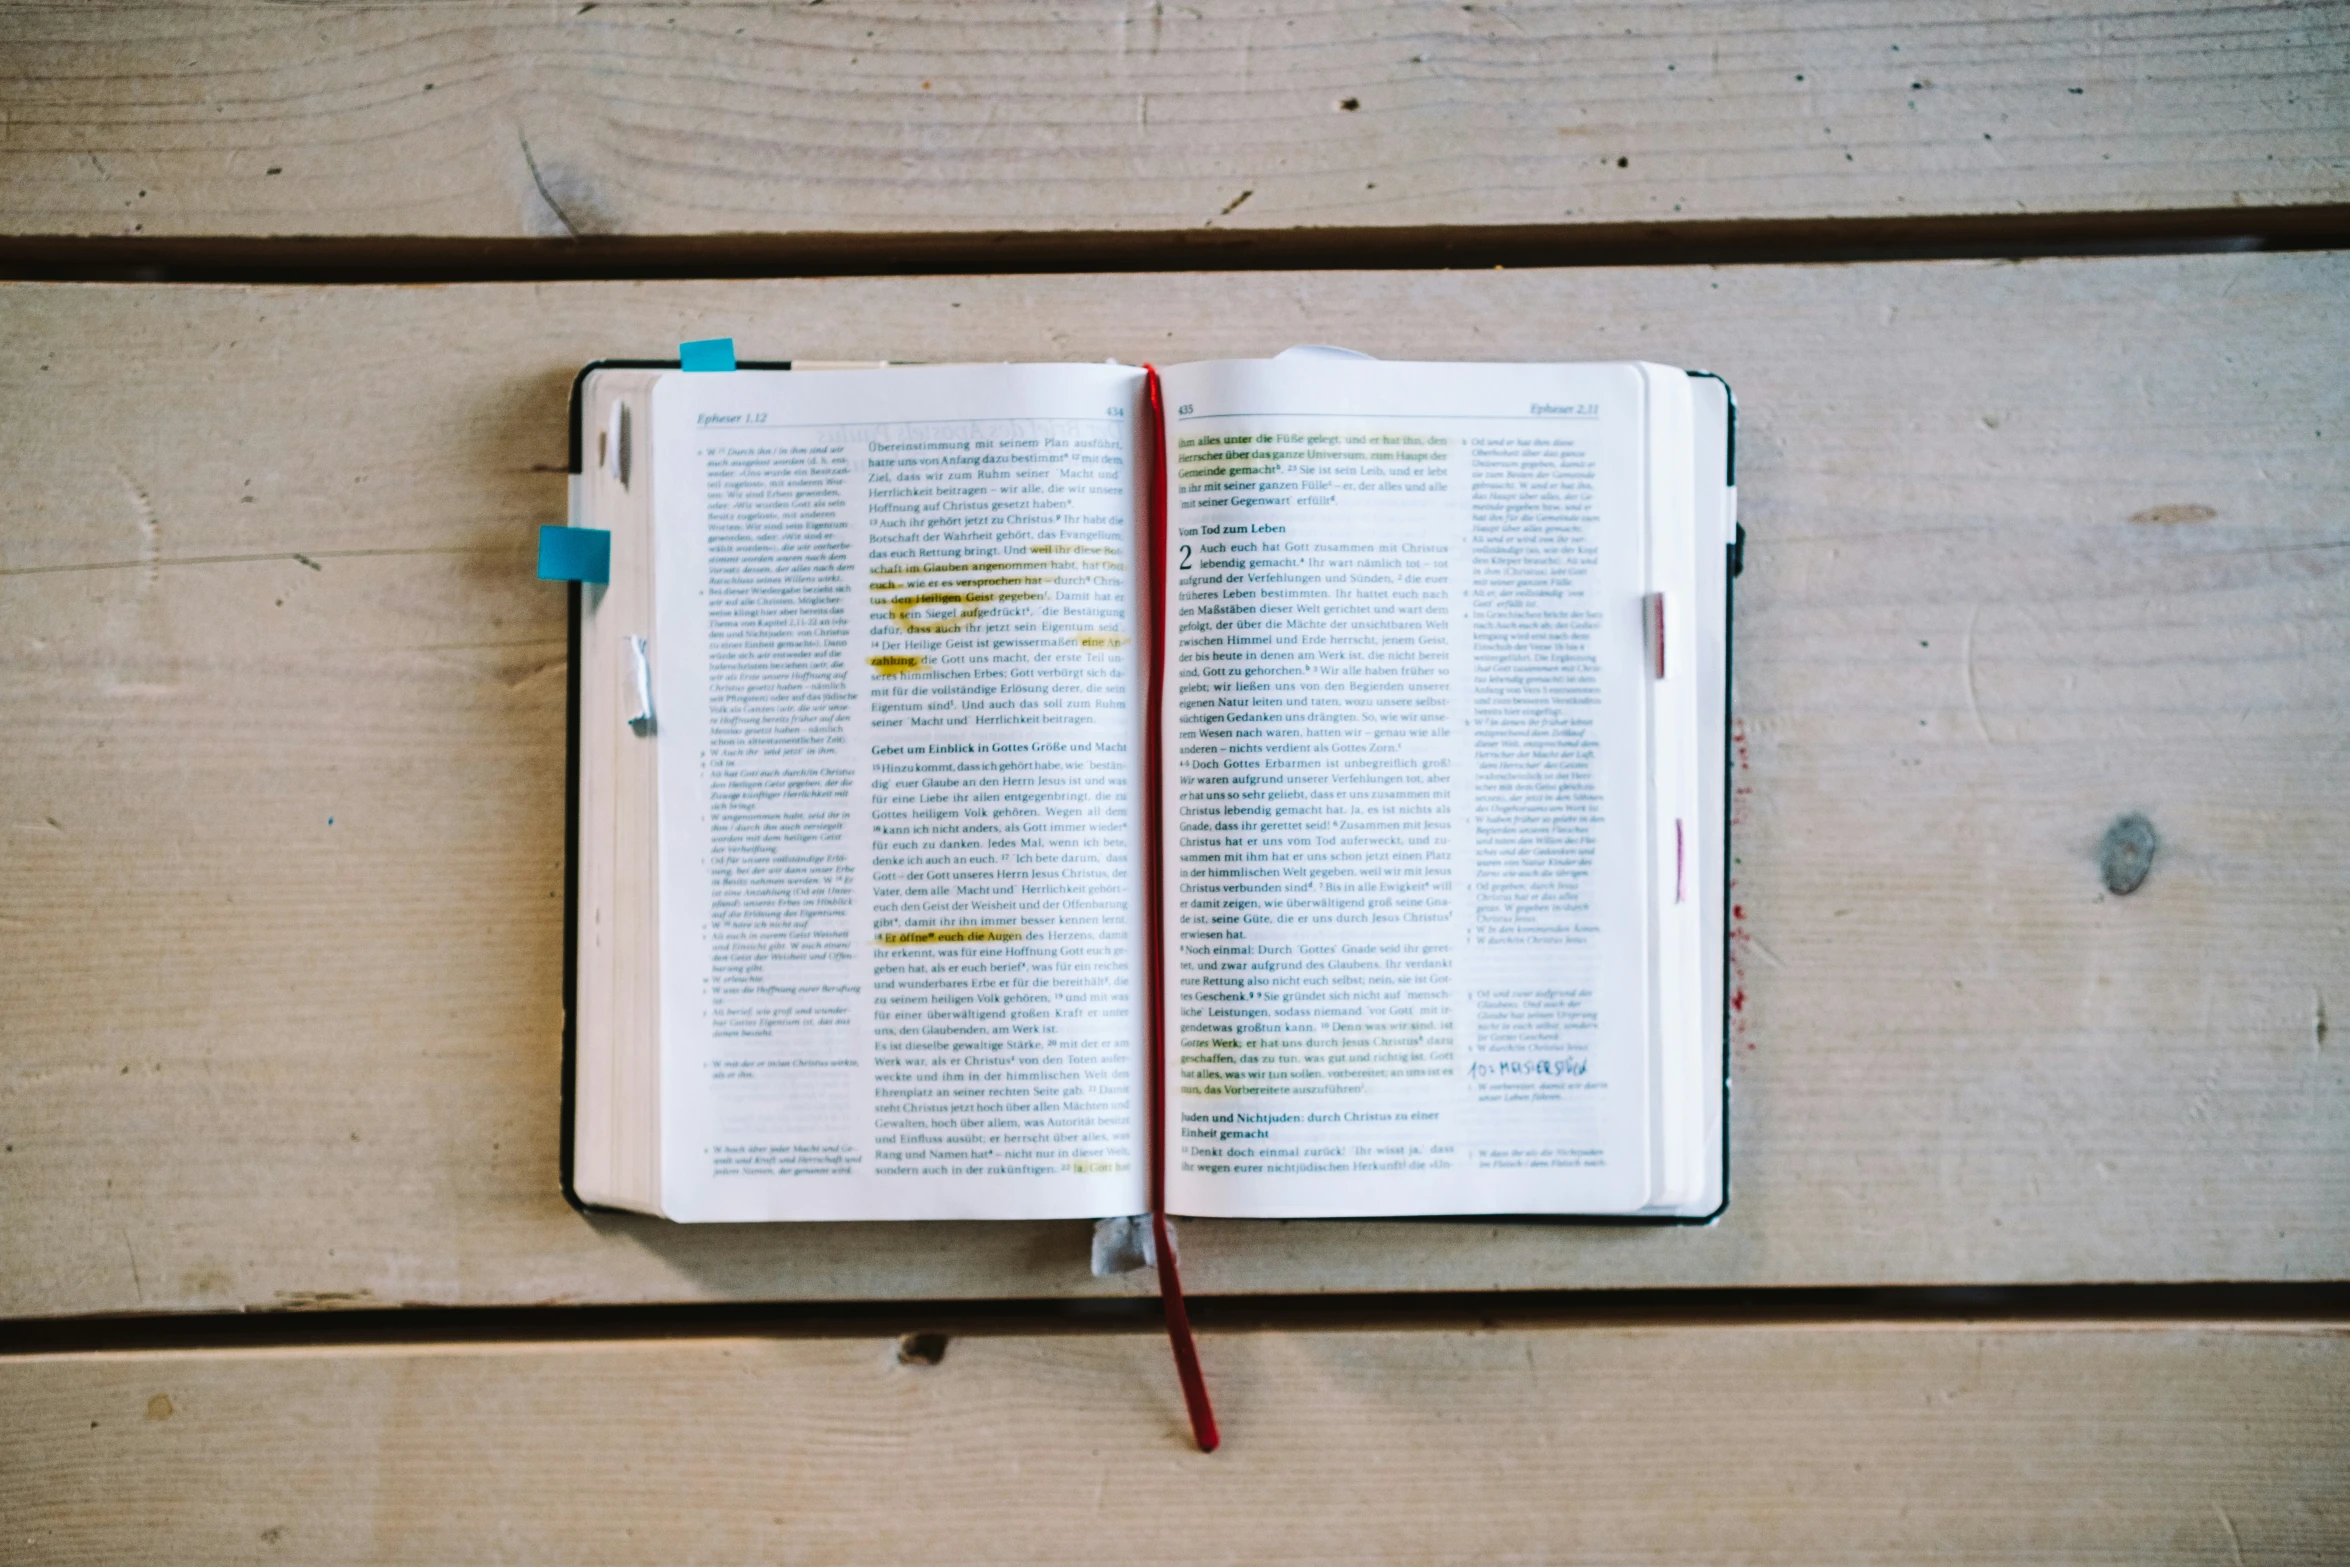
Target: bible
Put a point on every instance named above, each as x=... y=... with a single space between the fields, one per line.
x=1280 y=788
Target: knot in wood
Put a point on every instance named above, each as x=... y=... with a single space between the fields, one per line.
x=2127 y=854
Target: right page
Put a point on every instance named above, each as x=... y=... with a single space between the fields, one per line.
x=1430 y=836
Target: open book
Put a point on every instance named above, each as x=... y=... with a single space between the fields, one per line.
x=888 y=896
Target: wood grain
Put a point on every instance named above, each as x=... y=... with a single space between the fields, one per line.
x=281 y=870
x=2009 y=1444
x=500 y=119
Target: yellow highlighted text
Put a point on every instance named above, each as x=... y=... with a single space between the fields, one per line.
x=932 y=938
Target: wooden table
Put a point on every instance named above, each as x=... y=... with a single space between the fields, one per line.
x=2041 y=1194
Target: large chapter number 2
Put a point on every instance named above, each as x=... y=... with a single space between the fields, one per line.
x=1183 y=564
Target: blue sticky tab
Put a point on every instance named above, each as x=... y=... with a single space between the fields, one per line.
x=711 y=353
x=575 y=555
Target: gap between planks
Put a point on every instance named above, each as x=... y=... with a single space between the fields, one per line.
x=2021 y=1327
x=2290 y=1308
x=397 y=258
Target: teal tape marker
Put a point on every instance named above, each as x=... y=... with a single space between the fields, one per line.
x=711 y=353
x=575 y=555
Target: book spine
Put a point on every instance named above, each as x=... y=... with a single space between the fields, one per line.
x=1179 y=1335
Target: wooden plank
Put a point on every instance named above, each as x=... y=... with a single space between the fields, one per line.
x=1982 y=1444
x=284 y=769
x=498 y=119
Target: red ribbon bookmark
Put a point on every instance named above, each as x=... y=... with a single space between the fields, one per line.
x=1187 y=1371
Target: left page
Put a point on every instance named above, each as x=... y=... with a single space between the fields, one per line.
x=897 y=670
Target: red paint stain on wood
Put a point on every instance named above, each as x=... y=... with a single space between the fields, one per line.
x=1740 y=790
